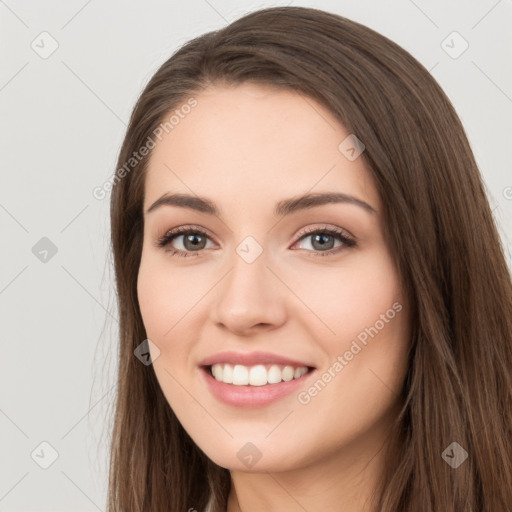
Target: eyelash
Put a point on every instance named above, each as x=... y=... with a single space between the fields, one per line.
x=181 y=231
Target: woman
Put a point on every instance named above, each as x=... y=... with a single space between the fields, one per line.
x=375 y=378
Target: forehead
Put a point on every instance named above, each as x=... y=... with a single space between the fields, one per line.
x=249 y=141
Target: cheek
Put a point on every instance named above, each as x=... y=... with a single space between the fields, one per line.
x=366 y=359
x=350 y=297
x=163 y=295
x=150 y=293
x=369 y=316
x=165 y=311
x=169 y=300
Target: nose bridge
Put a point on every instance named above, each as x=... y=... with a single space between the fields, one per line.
x=249 y=294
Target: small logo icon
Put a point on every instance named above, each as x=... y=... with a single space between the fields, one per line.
x=249 y=249
x=454 y=45
x=44 y=455
x=147 y=352
x=249 y=455
x=351 y=147
x=44 y=250
x=44 y=45
x=454 y=455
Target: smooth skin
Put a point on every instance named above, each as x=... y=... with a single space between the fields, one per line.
x=246 y=148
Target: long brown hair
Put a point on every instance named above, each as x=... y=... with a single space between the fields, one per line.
x=441 y=233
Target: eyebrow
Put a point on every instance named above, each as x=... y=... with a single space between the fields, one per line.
x=284 y=207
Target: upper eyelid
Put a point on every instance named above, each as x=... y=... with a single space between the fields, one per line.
x=326 y=227
x=183 y=230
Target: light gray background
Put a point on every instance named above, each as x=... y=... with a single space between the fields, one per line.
x=63 y=121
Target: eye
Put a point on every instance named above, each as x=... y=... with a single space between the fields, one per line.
x=322 y=240
x=194 y=240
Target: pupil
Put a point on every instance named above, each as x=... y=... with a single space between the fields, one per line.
x=319 y=237
x=193 y=240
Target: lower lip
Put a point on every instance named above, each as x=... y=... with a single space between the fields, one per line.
x=252 y=396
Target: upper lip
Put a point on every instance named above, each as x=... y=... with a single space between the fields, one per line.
x=251 y=359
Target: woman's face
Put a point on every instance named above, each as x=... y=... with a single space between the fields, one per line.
x=263 y=280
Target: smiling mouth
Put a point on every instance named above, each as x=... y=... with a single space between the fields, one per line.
x=256 y=375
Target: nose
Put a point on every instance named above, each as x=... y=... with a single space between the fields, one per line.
x=250 y=298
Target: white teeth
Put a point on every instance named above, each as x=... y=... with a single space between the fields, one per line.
x=257 y=375
x=274 y=374
x=240 y=375
x=288 y=372
x=217 y=372
x=227 y=374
